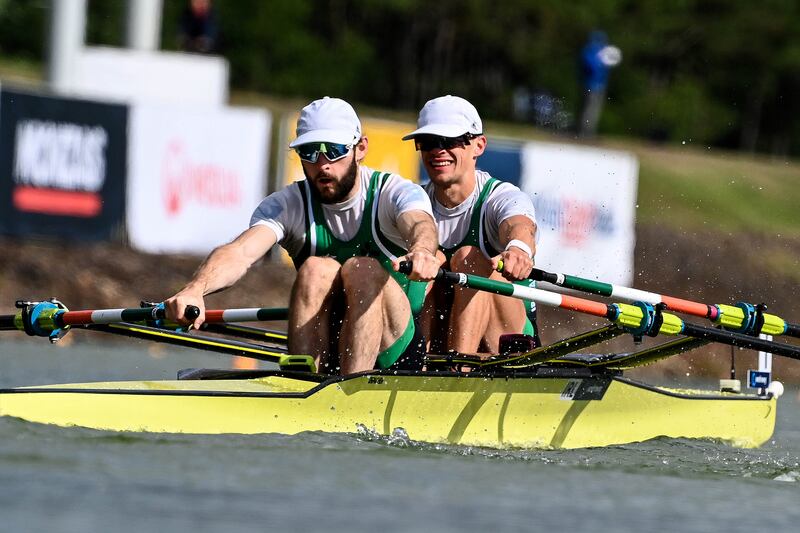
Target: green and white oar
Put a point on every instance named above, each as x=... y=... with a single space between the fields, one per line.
x=742 y=317
x=638 y=319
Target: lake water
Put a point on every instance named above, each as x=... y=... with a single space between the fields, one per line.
x=75 y=480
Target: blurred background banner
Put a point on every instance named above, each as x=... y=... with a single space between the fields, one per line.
x=147 y=76
x=62 y=166
x=585 y=201
x=195 y=176
x=502 y=159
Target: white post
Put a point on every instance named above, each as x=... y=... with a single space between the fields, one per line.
x=67 y=36
x=143 y=24
x=765 y=358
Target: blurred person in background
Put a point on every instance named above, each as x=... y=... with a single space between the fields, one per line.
x=198 y=27
x=596 y=59
x=349 y=307
x=481 y=221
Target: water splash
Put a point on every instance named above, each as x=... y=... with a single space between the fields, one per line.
x=792 y=476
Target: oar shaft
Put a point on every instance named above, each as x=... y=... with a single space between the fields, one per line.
x=523 y=292
x=625 y=293
x=7 y=323
x=254 y=314
x=638 y=319
x=740 y=340
x=108 y=316
x=742 y=317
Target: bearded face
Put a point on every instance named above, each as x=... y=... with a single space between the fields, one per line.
x=330 y=187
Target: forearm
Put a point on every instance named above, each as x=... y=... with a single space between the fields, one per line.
x=221 y=269
x=227 y=264
x=518 y=238
x=419 y=231
x=519 y=228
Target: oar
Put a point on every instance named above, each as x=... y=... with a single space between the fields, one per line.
x=742 y=317
x=637 y=319
x=276 y=337
x=45 y=319
x=52 y=319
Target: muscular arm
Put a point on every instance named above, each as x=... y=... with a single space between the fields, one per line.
x=516 y=263
x=221 y=269
x=419 y=231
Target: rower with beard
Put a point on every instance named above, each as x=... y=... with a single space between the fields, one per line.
x=346 y=227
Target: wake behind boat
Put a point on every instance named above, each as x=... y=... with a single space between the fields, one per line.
x=545 y=397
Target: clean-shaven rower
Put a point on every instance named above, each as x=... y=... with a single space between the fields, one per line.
x=346 y=227
x=481 y=221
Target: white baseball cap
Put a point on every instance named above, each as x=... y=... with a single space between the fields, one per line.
x=447 y=116
x=327 y=120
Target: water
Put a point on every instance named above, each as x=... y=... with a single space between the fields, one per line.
x=76 y=480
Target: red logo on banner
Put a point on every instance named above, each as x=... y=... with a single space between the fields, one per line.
x=578 y=219
x=575 y=220
x=57 y=202
x=192 y=182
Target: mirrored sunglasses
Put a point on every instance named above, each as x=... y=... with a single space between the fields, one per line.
x=332 y=151
x=425 y=143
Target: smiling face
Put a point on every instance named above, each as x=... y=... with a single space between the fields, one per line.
x=336 y=181
x=452 y=163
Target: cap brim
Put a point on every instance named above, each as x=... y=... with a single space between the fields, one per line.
x=442 y=130
x=323 y=136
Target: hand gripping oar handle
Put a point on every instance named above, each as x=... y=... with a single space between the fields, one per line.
x=453 y=277
x=638 y=319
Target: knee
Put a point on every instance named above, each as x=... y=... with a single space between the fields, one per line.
x=470 y=260
x=317 y=273
x=363 y=273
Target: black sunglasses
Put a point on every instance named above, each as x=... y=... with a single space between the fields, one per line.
x=425 y=143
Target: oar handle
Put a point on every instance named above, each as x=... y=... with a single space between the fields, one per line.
x=405 y=267
x=191 y=312
x=537 y=274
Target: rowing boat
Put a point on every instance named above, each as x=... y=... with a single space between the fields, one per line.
x=547 y=397
x=562 y=408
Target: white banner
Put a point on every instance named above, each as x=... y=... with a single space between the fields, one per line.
x=585 y=202
x=194 y=177
x=150 y=77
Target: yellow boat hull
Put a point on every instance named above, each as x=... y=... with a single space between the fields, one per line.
x=519 y=412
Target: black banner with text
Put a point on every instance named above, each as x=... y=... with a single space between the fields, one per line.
x=62 y=166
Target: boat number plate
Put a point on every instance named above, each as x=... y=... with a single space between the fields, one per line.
x=585 y=389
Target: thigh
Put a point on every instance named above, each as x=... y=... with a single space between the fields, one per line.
x=396 y=312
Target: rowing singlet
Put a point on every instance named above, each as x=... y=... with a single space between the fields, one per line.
x=367 y=242
x=477 y=236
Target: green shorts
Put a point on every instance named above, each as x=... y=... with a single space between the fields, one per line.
x=406 y=353
x=528 y=328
